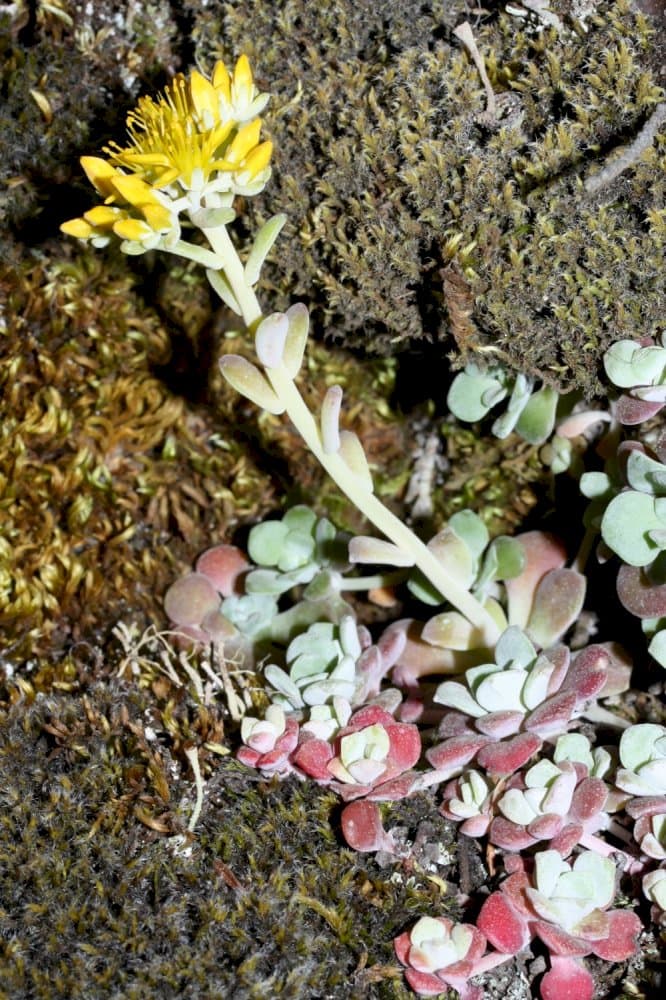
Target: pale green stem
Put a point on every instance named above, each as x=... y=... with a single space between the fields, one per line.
x=354 y=488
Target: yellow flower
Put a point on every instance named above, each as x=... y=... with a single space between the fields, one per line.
x=190 y=150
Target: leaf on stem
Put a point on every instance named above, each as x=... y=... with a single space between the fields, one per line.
x=219 y=283
x=270 y=338
x=352 y=454
x=329 y=420
x=365 y=549
x=261 y=247
x=297 y=337
x=245 y=378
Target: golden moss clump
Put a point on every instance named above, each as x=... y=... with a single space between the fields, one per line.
x=103 y=470
x=409 y=203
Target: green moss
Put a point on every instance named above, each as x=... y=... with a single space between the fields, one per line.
x=392 y=173
x=261 y=902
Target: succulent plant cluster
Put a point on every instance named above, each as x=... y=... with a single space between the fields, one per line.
x=370 y=717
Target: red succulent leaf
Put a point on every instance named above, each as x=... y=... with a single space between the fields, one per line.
x=223 y=565
x=621 y=941
x=566 y=839
x=312 y=757
x=588 y=671
x=566 y=980
x=405 y=747
x=589 y=798
x=639 y=594
x=425 y=984
x=559 y=942
x=630 y=411
x=515 y=889
x=500 y=759
x=455 y=724
x=560 y=657
x=363 y=829
x=475 y=826
x=499 y=724
x=553 y=715
x=509 y=836
x=397 y=788
x=455 y=752
x=401 y=944
x=248 y=756
x=546 y=826
x=369 y=715
x=646 y=805
x=502 y=926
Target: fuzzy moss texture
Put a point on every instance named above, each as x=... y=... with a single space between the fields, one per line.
x=415 y=225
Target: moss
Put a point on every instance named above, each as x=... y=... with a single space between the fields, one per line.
x=262 y=901
x=393 y=174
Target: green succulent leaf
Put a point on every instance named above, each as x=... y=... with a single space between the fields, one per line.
x=473 y=394
x=628 y=364
x=646 y=474
x=536 y=422
x=627 y=524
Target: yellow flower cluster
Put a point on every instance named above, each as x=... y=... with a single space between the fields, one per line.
x=191 y=151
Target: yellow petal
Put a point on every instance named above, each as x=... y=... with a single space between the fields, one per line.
x=132 y=229
x=99 y=172
x=204 y=98
x=243 y=75
x=258 y=159
x=247 y=137
x=221 y=80
x=147 y=159
x=78 y=228
x=167 y=177
x=133 y=189
x=157 y=216
x=101 y=215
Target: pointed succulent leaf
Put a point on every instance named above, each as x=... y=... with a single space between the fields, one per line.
x=246 y=378
x=283 y=683
x=365 y=549
x=537 y=419
x=520 y=395
x=352 y=454
x=329 y=420
x=220 y=284
x=262 y=245
x=297 y=337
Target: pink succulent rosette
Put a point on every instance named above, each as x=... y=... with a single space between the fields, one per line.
x=269 y=742
x=566 y=905
x=371 y=756
x=437 y=953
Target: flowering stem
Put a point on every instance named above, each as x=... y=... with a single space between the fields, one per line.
x=357 y=491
